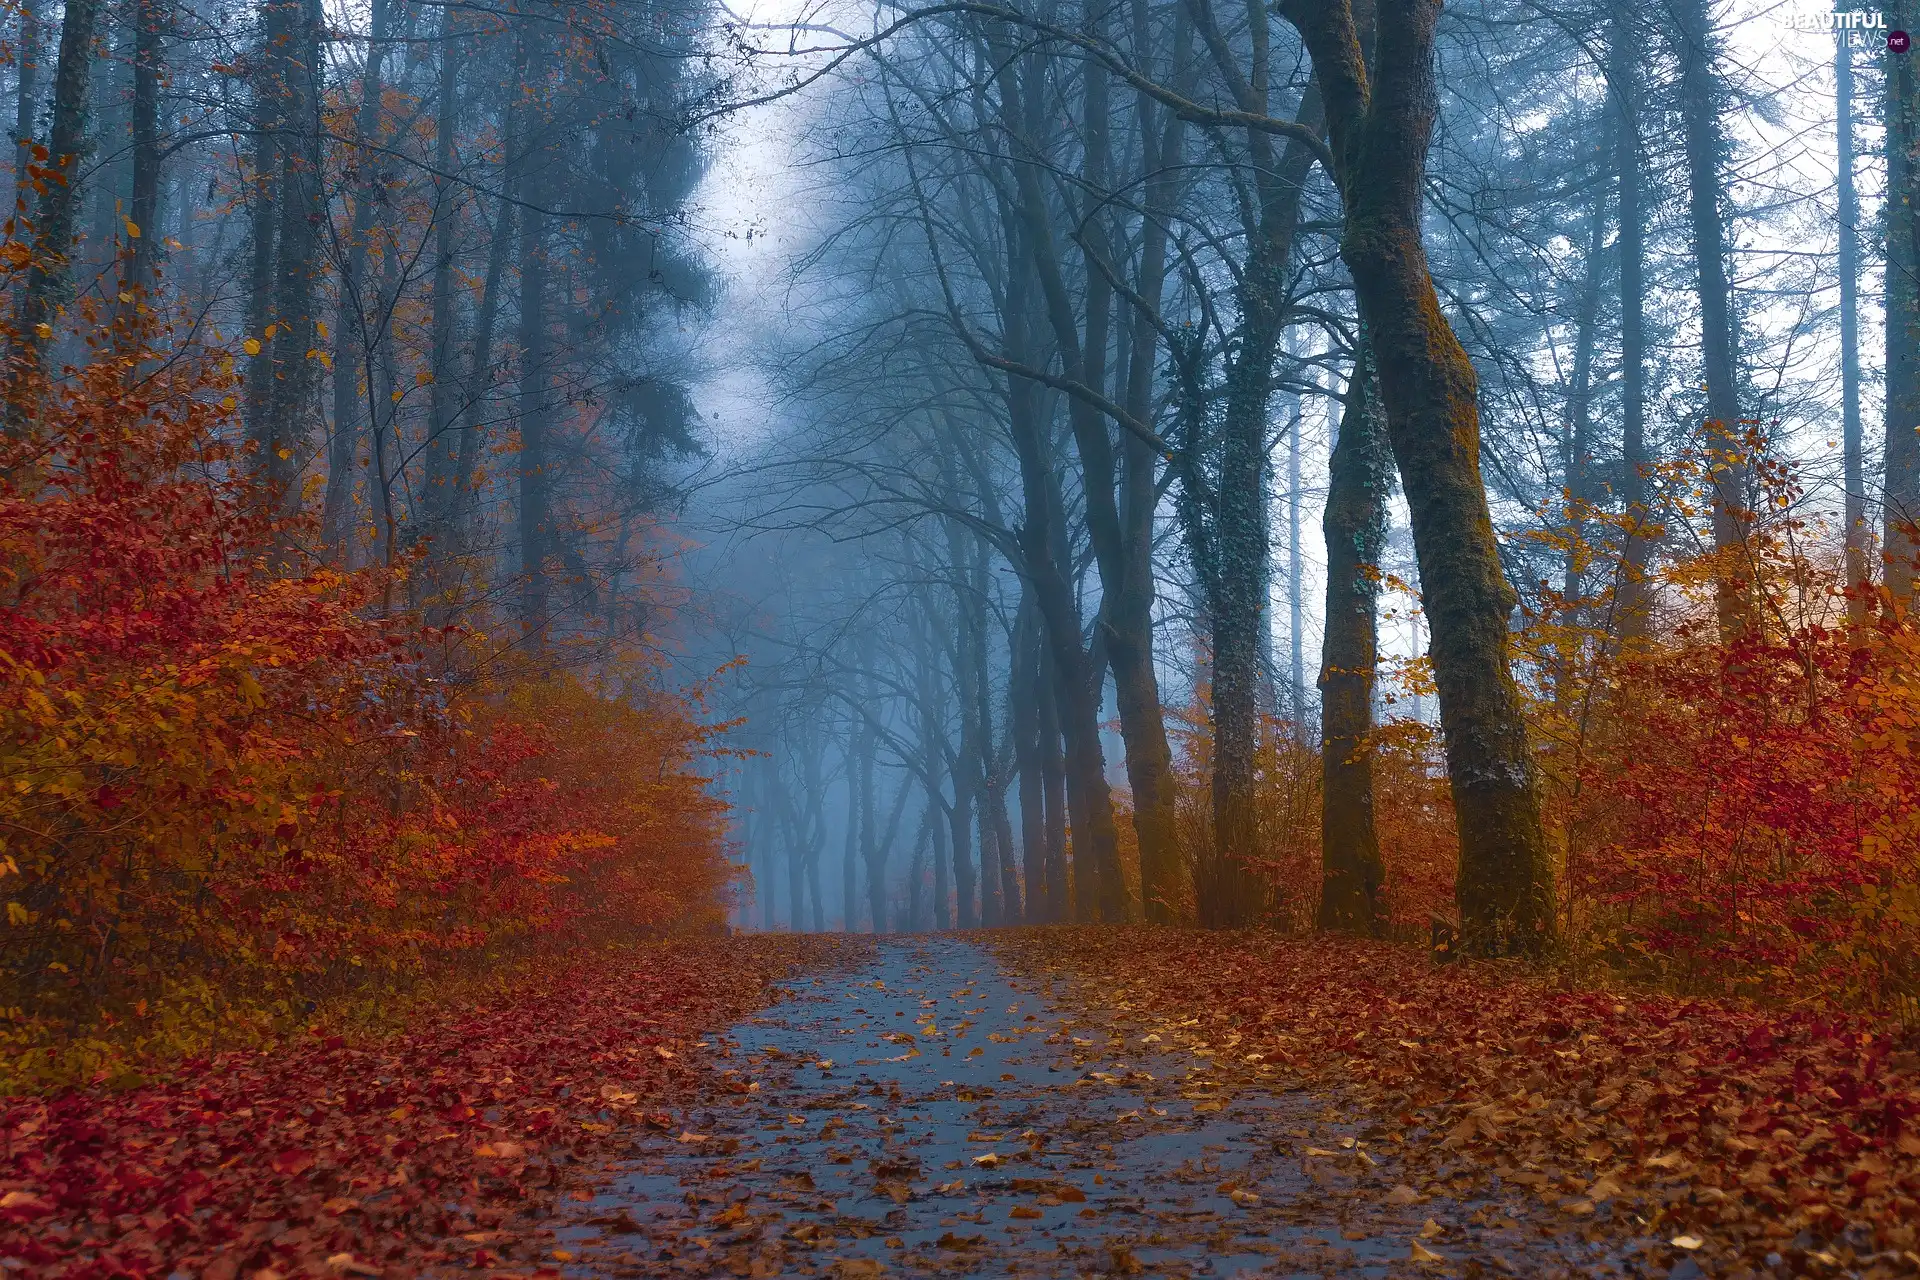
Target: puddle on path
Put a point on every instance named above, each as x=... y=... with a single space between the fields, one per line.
x=925 y=1115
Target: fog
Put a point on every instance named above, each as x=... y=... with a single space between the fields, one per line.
x=1070 y=446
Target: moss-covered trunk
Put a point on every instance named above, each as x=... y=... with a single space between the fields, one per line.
x=1355 y=523
x=1380 y=125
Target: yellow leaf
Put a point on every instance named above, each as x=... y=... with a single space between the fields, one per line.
x=320 y=326
x=133 y=231
x=1686 y=1242
x=1420 y=1253
x=43 y=330
x=125 y=297
x=251 y=346
x=500 y=1151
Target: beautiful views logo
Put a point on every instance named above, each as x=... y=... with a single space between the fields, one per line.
x=1862 y=28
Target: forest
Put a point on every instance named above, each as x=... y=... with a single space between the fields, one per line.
x=547 y=548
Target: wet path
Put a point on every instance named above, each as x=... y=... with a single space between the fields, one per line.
x=930 y=1114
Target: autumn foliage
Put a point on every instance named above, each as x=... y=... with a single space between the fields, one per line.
x=1747 y=1132
x=1731 y=813
x=447 y=1144
x=234 y=781
x=1737 y=810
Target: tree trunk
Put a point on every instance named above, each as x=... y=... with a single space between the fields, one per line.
x=480 y=377
x=791 y=838
x=960 y=832
x=1852 y=452
x=535 y=504
x=1136 y=685
x=1084 y=359
x=53 y=219
x=23 y=105
x=1053 y=784
x=1634 y=609
x=1575 y=486
x=1230 y=894
x=301 y=206
x=270 y=117
x=1099 y=891
x=815 y=835
x=1901 y=483
x=1024 y=713
x=1355 y=523
x=1296 y=580
x=351 y=337
x=137 y=281
x=384 y=456
x=932 y=732
x=1580 y=414
x=992 y=907
x=849 y=901
x=916 y=874
x=817 y=846
x=1701 y=104
x=443 y=467
x=942 y=906
x=1380 y=132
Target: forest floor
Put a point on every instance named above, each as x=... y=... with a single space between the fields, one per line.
x=1089 y=1101
x=440 y=1142
x=957 y=1108
x=1079 y=1102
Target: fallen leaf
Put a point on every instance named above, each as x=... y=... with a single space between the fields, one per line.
x=500 y=1151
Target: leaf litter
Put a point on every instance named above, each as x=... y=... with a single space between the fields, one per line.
x=443 y=1147
x=1068 y=1146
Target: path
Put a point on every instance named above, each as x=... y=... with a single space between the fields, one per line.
x=931 y=1114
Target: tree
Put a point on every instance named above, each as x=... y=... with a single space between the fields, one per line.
x=1380 y=122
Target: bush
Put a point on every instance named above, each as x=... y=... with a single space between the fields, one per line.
x=229 y=786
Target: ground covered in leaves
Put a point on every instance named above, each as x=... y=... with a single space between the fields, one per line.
x=943 y=1110
x=445 y=1146
x=1716 y=1138
x=1059 y=1102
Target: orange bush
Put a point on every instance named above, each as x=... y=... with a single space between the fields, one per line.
x=224 y=779
x=1738 y=812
